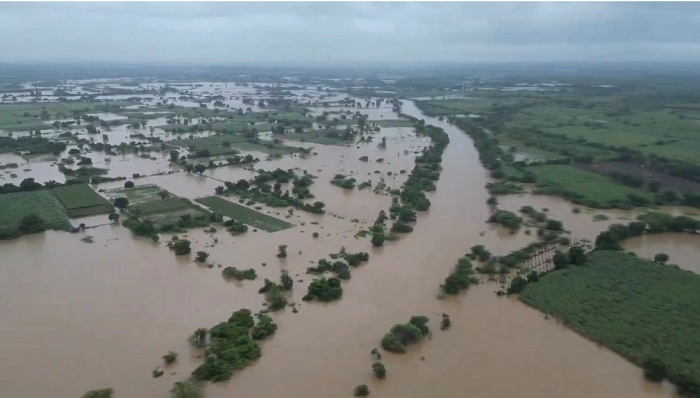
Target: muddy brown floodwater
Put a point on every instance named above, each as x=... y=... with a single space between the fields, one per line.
x=78 y=316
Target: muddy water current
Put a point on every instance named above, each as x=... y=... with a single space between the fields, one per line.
x=78 y=316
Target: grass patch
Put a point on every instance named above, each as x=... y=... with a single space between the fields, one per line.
x=641 y=310
x=244 y=214
x=393 y=123
x=81 y=200
x=584 y=187
x=42 y=202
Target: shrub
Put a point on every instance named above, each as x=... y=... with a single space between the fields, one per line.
x=186 y=389
x=129 y=184
x=282 y=251
x=286 y=281
x=379 y=370
x=661 y=258
x=31 y=224
x=654 y=370
x=101 y=393
x=234 y=273
x=325 y=289
x=362 y=390
x=460 y=278
x=201 y=257
x=446 y=322
x=170 y=357
x=181 y=247
x=264 y=328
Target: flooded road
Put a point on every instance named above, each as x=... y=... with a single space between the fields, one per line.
x=79 y=316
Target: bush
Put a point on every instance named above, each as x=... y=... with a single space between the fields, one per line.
x=234 y=273
x=282 y=251
x=286 y=281
x=101 y=393
x=129 y=184
x=181 y=247
x=446 y=322
x=325 y=289
x=404 y=334
x=401 y=227
x=654 y=370
x=460 y=278
x=264 y=328
x=379 y=370
x=170 y=357
x=362 y=390
x=31 y=224
x=201 y=257
x=661 y=258
x=186 y=389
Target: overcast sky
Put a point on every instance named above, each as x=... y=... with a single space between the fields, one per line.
x=279 y=34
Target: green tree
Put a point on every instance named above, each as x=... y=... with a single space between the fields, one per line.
x=577 y=255
x=121 y=203
x=201 y=257
x=661 y=258
x=560 y=260
x=31 y=224
x=181 y=247
x=170 y=357
x=654 y=370
x=379 y=370
x=114 y=217
x=129 y=184
x=199 y=168
x=361 y=390
x=186 y=389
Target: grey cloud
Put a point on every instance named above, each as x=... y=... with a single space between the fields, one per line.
x=347 y=33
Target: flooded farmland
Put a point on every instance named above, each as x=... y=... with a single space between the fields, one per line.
x=80 y=316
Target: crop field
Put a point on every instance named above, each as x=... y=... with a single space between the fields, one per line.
x=138 y=194
x=314 y=136
x=665 y=132
x=41 y=202
x=81 y=200
x=161 y=205
x=585 y=185
x=639 y=309
x=244 y=214
x=147 y=201
x=237 y=143
x=393 y=123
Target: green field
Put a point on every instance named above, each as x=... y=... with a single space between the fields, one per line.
x=393 y=123
x=238 y=143
x=589 y=188
x=17 y=205
x=639 y=309
x=136 y=195
x=81 y=200
x=244 y=214
x=147 y=202
x=314 y=136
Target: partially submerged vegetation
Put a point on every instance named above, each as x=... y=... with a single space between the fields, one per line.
x=244 y=214
x=636 y=301
x=402 y=335
x=232 y=345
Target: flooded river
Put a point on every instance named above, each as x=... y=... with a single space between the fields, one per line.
x=78 y=316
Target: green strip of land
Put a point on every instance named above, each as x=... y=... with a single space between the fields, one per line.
x=81 y=200
x=641 y=310
x=244 y=214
